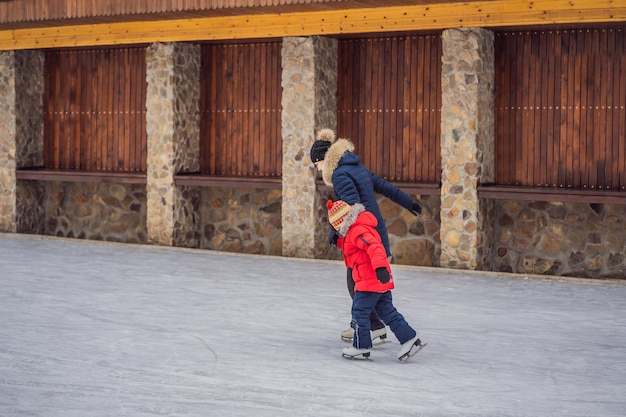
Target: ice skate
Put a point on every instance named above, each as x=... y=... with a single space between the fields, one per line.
x=354 y=353
x=377 y=335
x=410 y=348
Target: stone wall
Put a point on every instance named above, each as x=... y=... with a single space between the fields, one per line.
x=96 y=211
x=564 y=239
x=31 y=216
x=414 y=240
x=241 y=220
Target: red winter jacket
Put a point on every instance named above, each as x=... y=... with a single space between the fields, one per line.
x=363 y=251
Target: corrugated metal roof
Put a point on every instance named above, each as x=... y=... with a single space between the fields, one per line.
x=20 y=14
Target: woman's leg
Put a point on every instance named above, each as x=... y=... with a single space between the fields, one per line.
x=350 y=282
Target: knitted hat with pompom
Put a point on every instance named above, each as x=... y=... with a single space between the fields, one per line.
x=337 y=212
x=325 y=138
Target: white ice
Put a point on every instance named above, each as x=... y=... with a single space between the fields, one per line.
x=98 y=329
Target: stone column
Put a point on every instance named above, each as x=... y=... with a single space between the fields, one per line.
x=8 y=181
x=467 y=147
x=173 y=119
x=309 y=103
x=29 y=83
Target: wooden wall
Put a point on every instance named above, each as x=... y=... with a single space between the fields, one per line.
x=95 y=110
x=240 y=107
x=560 y=108
x=94 y=118
x=389 y=104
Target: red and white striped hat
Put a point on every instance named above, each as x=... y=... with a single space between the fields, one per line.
x=337 y=212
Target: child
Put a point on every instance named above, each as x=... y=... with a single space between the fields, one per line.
x=364 y=252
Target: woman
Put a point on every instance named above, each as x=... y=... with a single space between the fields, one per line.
x=353 y=183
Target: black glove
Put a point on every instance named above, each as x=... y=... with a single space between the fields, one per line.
x=382 y=274
x=416 y=208
x=332 y=237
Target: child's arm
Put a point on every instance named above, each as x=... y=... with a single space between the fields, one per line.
x=370 y=242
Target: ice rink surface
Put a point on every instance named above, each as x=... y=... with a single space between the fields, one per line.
x=93 y=329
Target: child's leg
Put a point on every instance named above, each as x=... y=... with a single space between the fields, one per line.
x=375 y=323
x=393 y=318
x=362 y=305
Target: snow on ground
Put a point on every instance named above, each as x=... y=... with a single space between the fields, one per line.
x=99 y=329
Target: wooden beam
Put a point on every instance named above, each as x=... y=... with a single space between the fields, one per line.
x=565 y=195
x=200 y=180
x=42 y=174
x=413 y=188
x=496 y=13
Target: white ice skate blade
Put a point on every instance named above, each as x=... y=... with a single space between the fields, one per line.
x=412 y=352
x=376 y=342
x=359 y=357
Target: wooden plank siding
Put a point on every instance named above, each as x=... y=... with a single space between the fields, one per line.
x=95 y=110
x=389 y=104
x=240 y=107
x=560 y=99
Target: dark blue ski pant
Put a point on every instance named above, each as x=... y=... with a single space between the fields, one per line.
x=366 y=302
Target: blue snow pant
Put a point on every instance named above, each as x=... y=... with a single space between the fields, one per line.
x=366 y=302
x=375 y=322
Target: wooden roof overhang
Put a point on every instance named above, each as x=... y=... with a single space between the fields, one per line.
x=306 y=21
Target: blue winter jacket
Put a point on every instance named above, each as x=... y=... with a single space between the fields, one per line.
x=354 y=183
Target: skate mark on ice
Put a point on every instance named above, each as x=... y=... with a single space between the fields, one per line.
x=375 y=364
x=214 y=357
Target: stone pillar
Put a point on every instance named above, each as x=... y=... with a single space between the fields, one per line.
x=8 y=181
x=309 y=103
x=29 y=83
x=173 y=120
x=467 y=147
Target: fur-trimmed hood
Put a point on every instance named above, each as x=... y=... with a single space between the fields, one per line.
x=336 y=151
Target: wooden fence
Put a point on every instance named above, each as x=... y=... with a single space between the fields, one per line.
x=389 y=104
x=560 y=108
x=95 y=110
x=240 y=105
